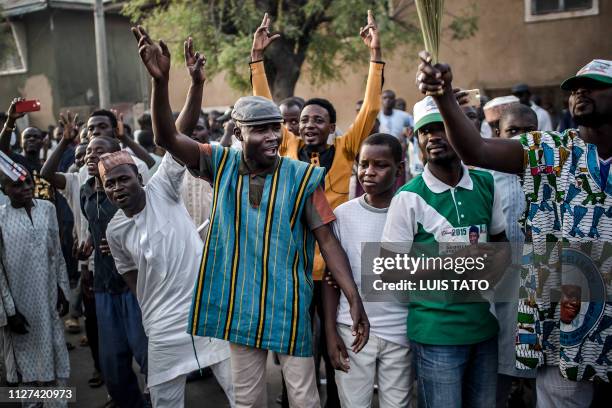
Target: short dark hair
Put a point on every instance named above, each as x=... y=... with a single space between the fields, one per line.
x=517 y=109
x=145 y=138
x=112 y=142
x=110 y=115
x=475 y=229
x=144 y=121
x=325 y=104
x=385 y=139
x=291 y=102
x=388 y=91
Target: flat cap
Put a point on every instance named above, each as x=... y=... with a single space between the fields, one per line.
x=256 y=110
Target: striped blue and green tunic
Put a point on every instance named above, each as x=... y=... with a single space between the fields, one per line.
x=254 y=285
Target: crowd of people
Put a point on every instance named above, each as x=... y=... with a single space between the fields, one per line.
x=211 y=240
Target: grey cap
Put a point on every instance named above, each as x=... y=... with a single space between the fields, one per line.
x=256 y=110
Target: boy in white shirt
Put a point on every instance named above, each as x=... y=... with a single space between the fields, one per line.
x=386 y=357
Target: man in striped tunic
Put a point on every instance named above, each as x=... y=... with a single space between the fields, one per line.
x=254 y=286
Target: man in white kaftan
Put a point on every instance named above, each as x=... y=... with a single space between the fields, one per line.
x=162 y=244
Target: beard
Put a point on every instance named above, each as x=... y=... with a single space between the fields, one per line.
x=591 y=120
x=443 y=160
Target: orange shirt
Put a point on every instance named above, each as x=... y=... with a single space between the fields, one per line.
x=347 y=146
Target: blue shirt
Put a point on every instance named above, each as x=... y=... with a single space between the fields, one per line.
x=98 y=210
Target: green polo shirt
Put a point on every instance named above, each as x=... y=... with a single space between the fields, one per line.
x=428 y=211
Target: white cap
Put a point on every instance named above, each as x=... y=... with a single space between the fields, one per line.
x=494 y=108
x=595 y=71
x=501 y=100
x=425 y=112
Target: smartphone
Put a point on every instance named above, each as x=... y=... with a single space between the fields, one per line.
x=32 y=105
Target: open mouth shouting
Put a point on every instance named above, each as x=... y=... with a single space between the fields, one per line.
x=121 y=198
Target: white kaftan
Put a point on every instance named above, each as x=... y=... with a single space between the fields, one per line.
x=161 y=242
x=34 y=268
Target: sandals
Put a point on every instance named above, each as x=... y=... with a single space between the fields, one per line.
x=72 y=326
x=96 y=380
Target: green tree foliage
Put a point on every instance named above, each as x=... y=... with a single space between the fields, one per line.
x=325 y=33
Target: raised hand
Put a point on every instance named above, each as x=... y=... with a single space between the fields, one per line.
x=370 y=37
x=68 y=121
x=155 y=57
x=12 y=110
x=433 y=80
x=262 y=38
x=194 y=63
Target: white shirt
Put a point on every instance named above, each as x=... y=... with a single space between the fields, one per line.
x=72 y=194
x=161 y=242
x=485 y=130
x=395 y=123
x=387 y=319
x=415 y=165
x=544 y=121
x=197 y=196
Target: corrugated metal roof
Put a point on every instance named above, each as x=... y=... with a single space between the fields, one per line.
x=18 y=7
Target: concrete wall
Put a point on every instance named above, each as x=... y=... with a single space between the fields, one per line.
x=505 y=51
x=62 y=64
x=38 y=81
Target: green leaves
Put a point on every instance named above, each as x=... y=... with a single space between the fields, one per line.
x=323 y=33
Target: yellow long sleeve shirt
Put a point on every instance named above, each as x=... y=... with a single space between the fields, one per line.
x=346 y=146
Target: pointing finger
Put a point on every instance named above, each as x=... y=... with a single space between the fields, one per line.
x=371 y=20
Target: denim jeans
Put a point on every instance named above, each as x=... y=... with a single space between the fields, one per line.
x=121 y=338
x=456 y=376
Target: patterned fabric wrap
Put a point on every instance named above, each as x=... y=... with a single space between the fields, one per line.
x=255 y=282
x=569 y=216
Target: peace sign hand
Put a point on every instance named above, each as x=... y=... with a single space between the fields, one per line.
x=262 y=38
x=155 y=57
x=195 y=63
x=68 y=122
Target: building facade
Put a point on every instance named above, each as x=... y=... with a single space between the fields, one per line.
x=49 y=54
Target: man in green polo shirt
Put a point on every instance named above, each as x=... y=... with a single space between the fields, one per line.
x=455 y=344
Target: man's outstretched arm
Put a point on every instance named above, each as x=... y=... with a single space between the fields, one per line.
x=49 y=170
x=188 y=118
x=495 y=154
x=365 y=119
x=261 y=40
x=156 y=58
x=9 y=126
